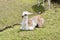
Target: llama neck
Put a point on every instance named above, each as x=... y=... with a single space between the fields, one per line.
x=25 y=22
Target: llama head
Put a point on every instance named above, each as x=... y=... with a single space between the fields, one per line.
x=25 y=13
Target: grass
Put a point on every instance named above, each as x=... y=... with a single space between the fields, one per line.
x=10 y=13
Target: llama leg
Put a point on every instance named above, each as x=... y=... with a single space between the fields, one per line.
x=40 y=22
x=29 y=22
x=31 y=25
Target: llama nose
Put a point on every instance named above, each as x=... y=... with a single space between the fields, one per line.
x=22 y=16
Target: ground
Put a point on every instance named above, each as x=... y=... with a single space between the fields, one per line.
x=10 y=13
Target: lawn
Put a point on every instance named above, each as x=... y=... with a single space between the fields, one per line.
x=10 y=13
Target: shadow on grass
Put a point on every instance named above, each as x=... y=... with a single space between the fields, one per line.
x=38 y=9
x=23 y=30
x=30 y=30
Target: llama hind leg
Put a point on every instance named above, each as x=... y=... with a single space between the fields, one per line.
x=40 y=22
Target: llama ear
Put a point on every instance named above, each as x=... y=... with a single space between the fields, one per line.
x=26 y=12
x=29 y=13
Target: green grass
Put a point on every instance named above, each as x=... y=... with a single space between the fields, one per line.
x=10 y=13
